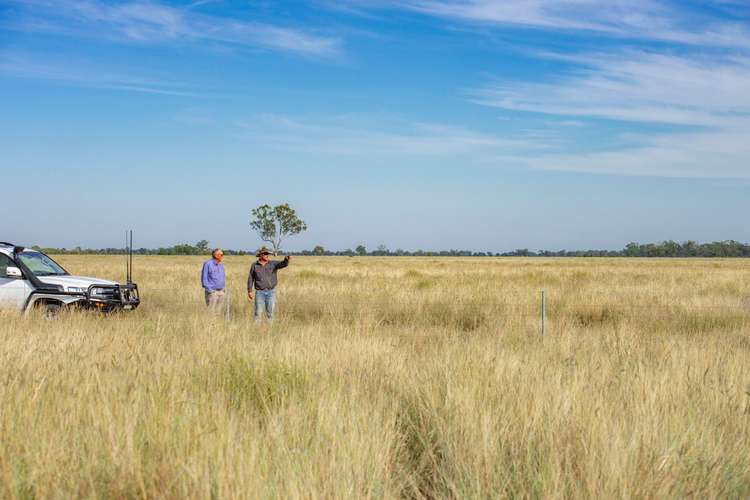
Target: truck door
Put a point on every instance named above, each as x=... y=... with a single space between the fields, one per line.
x=13 y=290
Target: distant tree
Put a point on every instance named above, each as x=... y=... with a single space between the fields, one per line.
x=202 y=246
x=319 y=250
x=690 y=248
x=274 y=224
x=184 y=249
x=664 y=249
x=632 y=250
x=382 y=250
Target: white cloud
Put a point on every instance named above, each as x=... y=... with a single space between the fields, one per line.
x=705 y=90
x=637 y=19
x=637 y=86
x=722 y=154
x=83 y=73
x=709 y=95
x=701 y=91
x=152 y=22
x=705 y=154
x=366 y=136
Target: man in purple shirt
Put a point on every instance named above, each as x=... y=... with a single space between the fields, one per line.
x=213 y=280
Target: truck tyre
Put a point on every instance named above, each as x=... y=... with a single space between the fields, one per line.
x=52 y=310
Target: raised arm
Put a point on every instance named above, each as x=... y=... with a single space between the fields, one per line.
x=283 y=263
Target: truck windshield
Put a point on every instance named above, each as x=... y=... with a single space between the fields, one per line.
x=40 y=264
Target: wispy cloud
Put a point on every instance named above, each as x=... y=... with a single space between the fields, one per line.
x=636 y=19
x=712 y=155
x=708 y=95
x=695 y=87
x=152 y=22
x=84 y=73
x=692 y=83
x=637 y=86
x=368 y=136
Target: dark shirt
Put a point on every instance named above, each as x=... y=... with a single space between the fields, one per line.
x=264 y=277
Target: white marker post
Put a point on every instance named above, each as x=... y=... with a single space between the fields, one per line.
x=544 y=313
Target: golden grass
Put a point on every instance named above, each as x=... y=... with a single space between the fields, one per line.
x=389 y=377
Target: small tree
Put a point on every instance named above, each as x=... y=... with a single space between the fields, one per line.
x=202 y=246
x=184 y=249
x=319 y=250
x=274 y=224
x=361 y=250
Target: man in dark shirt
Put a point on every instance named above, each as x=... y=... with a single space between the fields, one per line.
x=262 y=281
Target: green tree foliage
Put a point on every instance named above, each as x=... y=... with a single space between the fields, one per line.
x=185 y=249
x=275 y=224
x=202 y=246
x=381 y=250
x=665 y=249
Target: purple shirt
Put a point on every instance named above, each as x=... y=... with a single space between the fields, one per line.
x=212 y=276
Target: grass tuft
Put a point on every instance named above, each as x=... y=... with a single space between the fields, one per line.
x=262 y=387
x=604 y=317
x=420 y=455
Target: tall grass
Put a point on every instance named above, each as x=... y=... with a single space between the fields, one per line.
x=411 y=378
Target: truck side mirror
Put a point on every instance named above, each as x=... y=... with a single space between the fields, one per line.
x=13 y=272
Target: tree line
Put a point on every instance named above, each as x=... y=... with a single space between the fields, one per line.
x=663 y=249
x=667 y=248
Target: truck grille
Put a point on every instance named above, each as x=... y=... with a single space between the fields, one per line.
x=104 y=293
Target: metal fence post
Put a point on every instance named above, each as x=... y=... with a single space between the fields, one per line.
x=544 y=313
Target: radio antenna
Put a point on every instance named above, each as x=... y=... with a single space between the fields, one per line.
x=130 y=257
x=127 y=258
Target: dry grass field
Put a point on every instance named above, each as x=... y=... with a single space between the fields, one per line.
x=386 y=378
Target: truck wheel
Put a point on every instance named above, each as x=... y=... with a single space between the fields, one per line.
x=52 y=310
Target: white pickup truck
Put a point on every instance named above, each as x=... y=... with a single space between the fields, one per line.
x=31 y=279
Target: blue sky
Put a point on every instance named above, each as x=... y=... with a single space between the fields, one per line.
x=434 y=124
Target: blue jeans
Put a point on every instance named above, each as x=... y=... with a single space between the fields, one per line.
x=264 y=300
